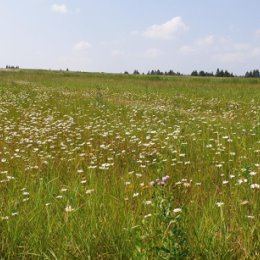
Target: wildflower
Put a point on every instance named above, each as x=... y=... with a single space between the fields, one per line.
x=255 y=186
x=177 y=210
x=152 y=183
x=69 y=209
x=136 y=194
x=240 y=181
x=89 y=191
x=252 y=173
x=165 y=178
x=220 y=204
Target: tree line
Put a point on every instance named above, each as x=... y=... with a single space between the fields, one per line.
x=12 y=67
x=219 y=73
x=252 y=74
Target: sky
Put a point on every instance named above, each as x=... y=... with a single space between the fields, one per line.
x=124 y=35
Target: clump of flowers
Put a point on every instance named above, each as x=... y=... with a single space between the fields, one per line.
x=160 y=182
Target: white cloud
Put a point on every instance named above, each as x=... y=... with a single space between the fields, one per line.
x=77 y=10
x=59 y=8
x=199 y=46
x=117 y=53
x=167 y=30
x=188 y=50
x=207 y=41
x=257 y=33
x=241 y=47
x=81 y=46
x=63 y=9
x=221 y=50
x=255 y=52
x=153 y=53
x=235 y=53
x=134 y=33
x=229 y=57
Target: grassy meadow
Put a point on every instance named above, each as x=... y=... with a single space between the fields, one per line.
x=98 y=166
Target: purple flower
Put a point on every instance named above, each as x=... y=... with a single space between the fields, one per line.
x=165 y=178
x=161 y=183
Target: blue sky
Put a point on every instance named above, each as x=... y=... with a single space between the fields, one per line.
x=114 y=36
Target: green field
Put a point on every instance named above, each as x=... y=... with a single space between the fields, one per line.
x=98 y=166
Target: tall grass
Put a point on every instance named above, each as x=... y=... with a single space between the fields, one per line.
x=96 y=166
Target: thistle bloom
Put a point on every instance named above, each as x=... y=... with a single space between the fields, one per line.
x=165 y=178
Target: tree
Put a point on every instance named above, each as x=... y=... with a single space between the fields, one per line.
x=171 y=73
x=256 y=74
x=158 y=72
x=247 y=75
x=194 y=73
x=219 y=73
x=252 y=74
x=202 y=73
x=136 y=72
x=226 y=74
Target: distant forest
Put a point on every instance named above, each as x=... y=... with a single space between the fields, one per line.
x=201 y=73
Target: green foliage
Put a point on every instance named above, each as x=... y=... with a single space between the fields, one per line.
x=167 y=240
